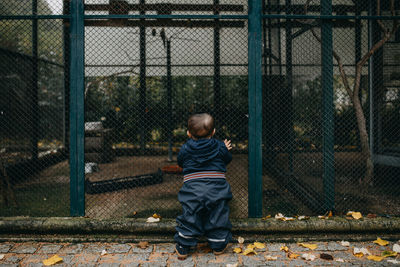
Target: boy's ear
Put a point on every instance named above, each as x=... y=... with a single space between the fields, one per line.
x=189 y=134
x=213 y=132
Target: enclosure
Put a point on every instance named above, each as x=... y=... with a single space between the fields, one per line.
x=95 y=97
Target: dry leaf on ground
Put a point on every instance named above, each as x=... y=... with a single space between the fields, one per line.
x=232 y=265
x=302 y=217
x=292 y=255
x=310 y=246
x=271 y=258
x=284 y=248
x=394 y=261
x=259 y=245
x=396 y=248
x=53 y=260
x=152 y=220
x=2 y=256
x=143 y=244
x=237 y=250
x=345 y=243
x=355 y=214
x=375 y=258
x=249 y=251
x=360 y=252
x=279 y=216
x=381 y=242
x=266 y=217
x=156 y=216
x=250 y=246
x=240 y=240
x=371 y=215
x=308 y=257
x=103 y=252
x=339 y=260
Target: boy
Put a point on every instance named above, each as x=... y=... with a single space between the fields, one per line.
x=205 y=193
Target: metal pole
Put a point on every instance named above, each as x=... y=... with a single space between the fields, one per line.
x=289 y=85
x=327 y=108
x=217 y=69
x=35 y=88
x=371 y=81
x=77 y=120
x=66 y=53
x=169 y=97
x=255 y=109
x=142 y=98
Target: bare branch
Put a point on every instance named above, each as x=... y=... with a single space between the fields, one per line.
x=378 y=13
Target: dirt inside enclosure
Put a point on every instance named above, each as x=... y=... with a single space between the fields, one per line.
x=161 y=198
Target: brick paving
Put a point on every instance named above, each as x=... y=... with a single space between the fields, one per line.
x=162 y=254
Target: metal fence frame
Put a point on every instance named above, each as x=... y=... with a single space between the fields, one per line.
x=75 y=42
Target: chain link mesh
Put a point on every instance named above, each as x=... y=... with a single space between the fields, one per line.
x=144 y=77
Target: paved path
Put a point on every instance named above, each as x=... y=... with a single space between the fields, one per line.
x=130 y=254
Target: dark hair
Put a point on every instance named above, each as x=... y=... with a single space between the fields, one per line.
x=201 y=125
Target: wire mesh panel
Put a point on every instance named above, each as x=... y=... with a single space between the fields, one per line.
x=33 y=167
x=144 y=78
x=293 y=111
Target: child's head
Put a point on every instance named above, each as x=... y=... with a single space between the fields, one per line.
x=201 y=126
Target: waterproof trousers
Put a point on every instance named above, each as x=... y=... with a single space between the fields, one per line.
x=205 y=212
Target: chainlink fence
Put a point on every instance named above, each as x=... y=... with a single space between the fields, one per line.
x=144 y=77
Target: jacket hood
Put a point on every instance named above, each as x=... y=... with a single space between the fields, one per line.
x=203 y=150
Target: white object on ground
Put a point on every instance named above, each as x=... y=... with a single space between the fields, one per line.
x=104 y=252
x=345 y=243
x=152 y=220
x=361 y=250
x=396 y=248
x=308 y=257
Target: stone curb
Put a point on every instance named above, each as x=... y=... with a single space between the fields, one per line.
x=80 y=225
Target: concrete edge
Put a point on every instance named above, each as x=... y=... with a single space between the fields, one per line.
x=81 y=225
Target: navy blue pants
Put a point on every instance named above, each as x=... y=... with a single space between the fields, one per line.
x=205 y=212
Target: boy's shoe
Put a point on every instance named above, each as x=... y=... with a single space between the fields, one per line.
x=220 y=250
x=181 y=251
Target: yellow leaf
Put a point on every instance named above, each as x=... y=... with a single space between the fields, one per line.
x=266 y=217
x=249 y=251
x=381 y=242
x=293 y=255
x=310 y=246
x=250 y=246
x=354 y=214
x=284 y=248
x=156 y=216
x=375 y=258
x=259 y=245
x=388 y=253
x=237 y=250
x=53 y=260
x=359 y=255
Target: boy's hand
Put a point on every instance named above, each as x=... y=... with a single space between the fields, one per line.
x=228 y=144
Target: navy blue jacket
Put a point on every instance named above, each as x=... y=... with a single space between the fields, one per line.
x=203 y=155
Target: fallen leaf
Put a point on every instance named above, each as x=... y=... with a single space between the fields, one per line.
x=232 y=265
x=104 y=252
x=394 y=261
x=356 y=215
x=284 y=248
x=134 y=213
x=53 y=260
x=249 y=251
x=381 y=242
x=288 y=219
x=310 y=246
x=375 y=258
x=237 y=250
x=143 y=244
x=2 y=256
x=259 y=245
x=302 y=217
x=345 y=243
x=330 y=214
x=326 y=256
x=156 y=216
x=308 y=257
x=321 y=217
x=152 y=220
x=292 y=255
x=396 y=248
x=339 y=260
x=360 y=252
x=279 y=216
x=271 y=258
x=266 y=217
x=371 y=215
x=240 y=240
x=250 y=246
x=388 y=253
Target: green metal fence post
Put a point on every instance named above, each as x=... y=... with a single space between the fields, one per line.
x=35 y=86
x=255 y=109
x=77 y=122
x=327 y=107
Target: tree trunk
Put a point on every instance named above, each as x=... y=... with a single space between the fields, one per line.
x=364 y=140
